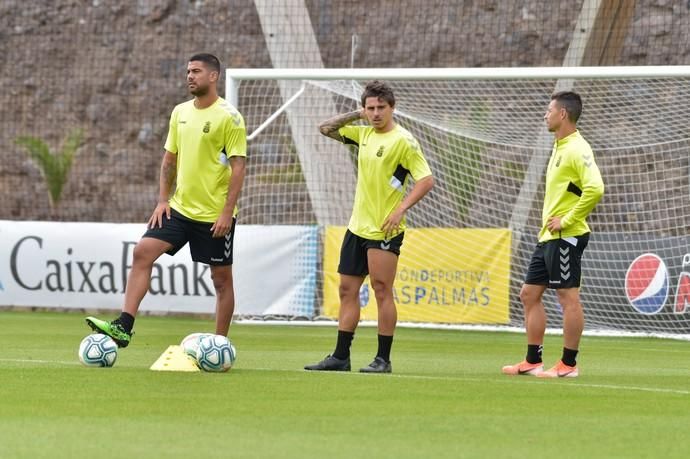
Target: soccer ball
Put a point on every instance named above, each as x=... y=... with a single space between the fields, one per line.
x=215 y=353
x=190 y=343
x=98 y=350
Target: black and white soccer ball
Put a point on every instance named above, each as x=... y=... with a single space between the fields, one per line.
x=190 y=343
x=216 y=353
x=98 y=350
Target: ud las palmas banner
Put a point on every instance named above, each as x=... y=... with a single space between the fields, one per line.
x=85 y=265
x=444 y=275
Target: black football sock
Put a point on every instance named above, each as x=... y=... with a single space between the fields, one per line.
x=569 y=356
x=385 y=343
x=126 y=320
x=534 y=353
x=342 y=346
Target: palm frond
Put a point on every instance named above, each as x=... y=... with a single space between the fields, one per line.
x=54 y=168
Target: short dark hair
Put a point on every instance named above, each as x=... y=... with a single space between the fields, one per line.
x=209 y=59
x=378 y=89
x=571 y=101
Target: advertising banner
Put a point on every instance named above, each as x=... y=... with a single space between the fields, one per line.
x=638 y=282
x=444 y=275
x=85 y=265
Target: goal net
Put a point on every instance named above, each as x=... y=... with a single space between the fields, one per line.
x=483 y=134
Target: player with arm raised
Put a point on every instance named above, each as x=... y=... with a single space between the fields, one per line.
x=205 y=158
x=573 y=188
x=387 y=155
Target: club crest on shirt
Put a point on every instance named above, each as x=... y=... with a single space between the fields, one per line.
x=207 y=127
x=379 y=153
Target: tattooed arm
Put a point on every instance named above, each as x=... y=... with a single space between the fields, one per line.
x=330 y=127
x=167 y=178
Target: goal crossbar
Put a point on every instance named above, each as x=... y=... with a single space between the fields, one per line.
x=235 y=76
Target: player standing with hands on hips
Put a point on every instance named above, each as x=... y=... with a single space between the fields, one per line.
x=205 y=158
x=573 y=187
x=387 y=154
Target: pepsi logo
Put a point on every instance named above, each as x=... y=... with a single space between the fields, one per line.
x=646 y=283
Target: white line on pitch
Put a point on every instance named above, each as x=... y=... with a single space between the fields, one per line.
x=506 y=380
x=57 y=362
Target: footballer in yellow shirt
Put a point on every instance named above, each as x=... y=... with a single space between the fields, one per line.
x=387 y=155
x=573 y=188
x=204 y=159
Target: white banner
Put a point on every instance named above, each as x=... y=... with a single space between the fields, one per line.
x=85 y=265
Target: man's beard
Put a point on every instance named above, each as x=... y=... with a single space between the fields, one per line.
x=199 y=91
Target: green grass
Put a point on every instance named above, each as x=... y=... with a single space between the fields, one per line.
x=446 y=399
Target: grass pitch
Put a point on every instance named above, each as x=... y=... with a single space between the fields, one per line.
x=446 y=398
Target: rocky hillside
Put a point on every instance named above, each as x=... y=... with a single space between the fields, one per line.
x=114 y=70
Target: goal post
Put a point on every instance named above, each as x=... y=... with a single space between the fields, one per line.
x=482 y=132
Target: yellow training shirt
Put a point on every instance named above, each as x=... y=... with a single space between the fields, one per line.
x=573 y=187
x=384 y=162
x=203 y=140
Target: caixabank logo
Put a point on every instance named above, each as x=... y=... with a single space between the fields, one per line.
x=647 y=284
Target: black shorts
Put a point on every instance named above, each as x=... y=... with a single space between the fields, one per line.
x=557 y=263
x=204 y=248
x=353 y=253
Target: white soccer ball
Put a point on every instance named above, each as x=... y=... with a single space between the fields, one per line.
x=215 y=353
x=190 y=343
x=98 y=350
